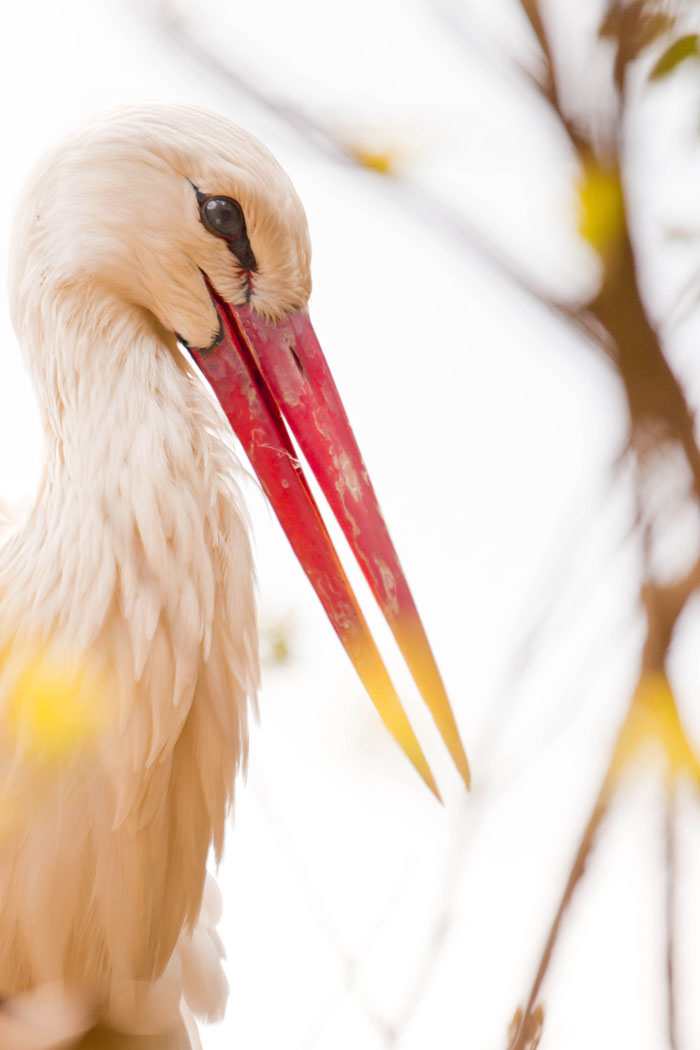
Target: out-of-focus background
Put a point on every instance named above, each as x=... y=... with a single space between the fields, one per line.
x=503 y=198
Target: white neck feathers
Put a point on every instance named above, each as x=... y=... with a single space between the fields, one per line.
x=136 y=548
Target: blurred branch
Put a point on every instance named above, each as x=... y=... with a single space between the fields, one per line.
x=663 y=606
x=462 y=839
x=542 y=608
x=659 y=413
x=652 y=717
x=653 y=392
x=548 y=82
x=520 y=1036
x=658 y=410
x=479 y=44
x=659 y=418
x=178 y=33
x=671 y=883
x=420 y=201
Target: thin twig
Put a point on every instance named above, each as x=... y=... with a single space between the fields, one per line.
x=671 y=912
x=478 y=43
x=575 y=316
x=521 y=1035
x=549 y=85
x=314 y=130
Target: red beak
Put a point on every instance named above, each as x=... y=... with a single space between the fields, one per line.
x=261 y=372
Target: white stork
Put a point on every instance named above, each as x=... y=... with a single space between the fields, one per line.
x=155 y=245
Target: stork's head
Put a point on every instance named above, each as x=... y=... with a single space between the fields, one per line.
x=149 y=199
x=182 y=216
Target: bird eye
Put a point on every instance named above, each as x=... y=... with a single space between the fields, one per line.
x=224 y=217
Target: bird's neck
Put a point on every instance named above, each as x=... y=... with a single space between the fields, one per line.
x=138 y=516
x=126 y=595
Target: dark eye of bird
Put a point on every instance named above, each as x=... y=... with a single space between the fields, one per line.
x=224 y=217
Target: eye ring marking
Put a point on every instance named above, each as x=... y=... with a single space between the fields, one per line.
x=223 y=216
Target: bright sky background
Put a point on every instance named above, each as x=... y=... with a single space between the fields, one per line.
x=489 y=433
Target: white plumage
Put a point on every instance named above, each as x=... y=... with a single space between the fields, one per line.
x=132 y=565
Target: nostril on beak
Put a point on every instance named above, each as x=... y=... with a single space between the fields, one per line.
x=298 y=362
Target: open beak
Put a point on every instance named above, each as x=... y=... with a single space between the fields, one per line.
x=262 y=372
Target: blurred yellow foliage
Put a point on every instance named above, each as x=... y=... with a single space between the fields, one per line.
x=601 y=214
x=54 y=708
x=277 y=637
x=384 y=161
x=686 y=47
x=653 y=725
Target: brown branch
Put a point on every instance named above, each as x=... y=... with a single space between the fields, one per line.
x=549 y=85
x=658 y=409
x=521 y=1037
x=663 y=606
x=654 y=394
